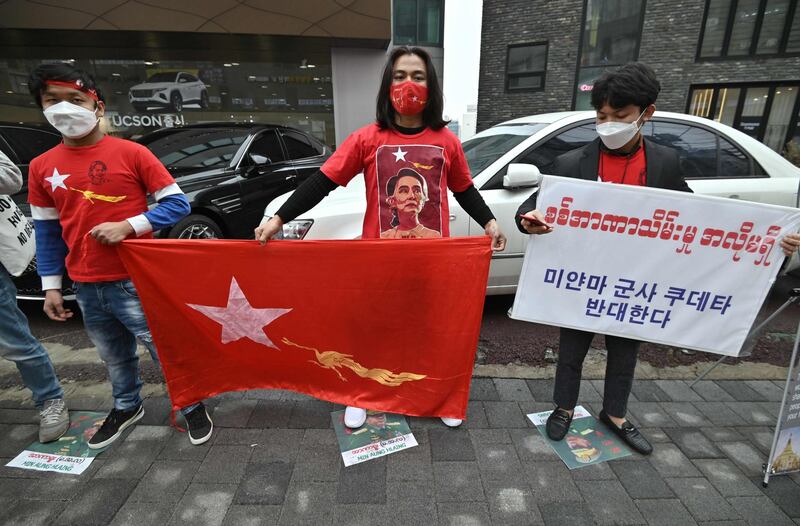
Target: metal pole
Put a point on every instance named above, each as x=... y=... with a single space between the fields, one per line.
x=768 y=466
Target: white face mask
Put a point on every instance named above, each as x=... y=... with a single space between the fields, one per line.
x=73 y=121
x=615 y=135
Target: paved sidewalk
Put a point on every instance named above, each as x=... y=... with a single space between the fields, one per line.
x=274 y=460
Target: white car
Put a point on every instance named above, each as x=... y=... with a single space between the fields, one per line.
x=169 y=90
x=716 y=160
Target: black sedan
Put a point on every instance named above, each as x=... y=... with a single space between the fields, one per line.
x=229 y=172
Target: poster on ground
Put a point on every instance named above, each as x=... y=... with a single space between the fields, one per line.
x=587 y=442
x=786 y=454
x=679 y=269
x=69 y=454
x=382 y=434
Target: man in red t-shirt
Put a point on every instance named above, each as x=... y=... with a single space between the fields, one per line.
x=87 y=195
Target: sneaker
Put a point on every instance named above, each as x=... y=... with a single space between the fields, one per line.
x=354 y=417
x=452 y=422
x=53 y=420
x=113 y=426
x=199 y=425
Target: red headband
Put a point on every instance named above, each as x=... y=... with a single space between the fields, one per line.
x=74 y=84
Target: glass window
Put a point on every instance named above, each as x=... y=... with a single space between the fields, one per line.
x=405 y=21
x=701 y=102
x=419 y=22
x=28 y=143
x=207 y=147
x=544 y=154
x=744 y=23
x=753 y=111
x=733 y=162
x=769 y=39
x=611 y=32
x=489 y=145
x=714 y=32
x=298 y=145
x=727 y=101
x=526 y=66
x=268 y=145
x=780 y=116
x=793 y=45
x=697 y=147
x=430 y=20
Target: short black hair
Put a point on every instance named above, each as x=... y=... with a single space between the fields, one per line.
x=633 y=83
x=62 y=71
x=432 y=114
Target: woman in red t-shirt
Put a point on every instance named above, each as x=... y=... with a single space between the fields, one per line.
x=409 y=160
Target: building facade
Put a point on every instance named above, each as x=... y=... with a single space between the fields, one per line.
x=308 y=64
x=734 y=61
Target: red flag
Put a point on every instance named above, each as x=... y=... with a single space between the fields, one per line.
x=386 y=325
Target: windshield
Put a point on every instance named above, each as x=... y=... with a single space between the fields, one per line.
x=163 y=77
x=486 y=147
x=197 y=148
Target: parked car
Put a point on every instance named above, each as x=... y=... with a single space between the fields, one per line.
x=716 y=160
x=21 y=143
x=228 y=171
x=169 y=90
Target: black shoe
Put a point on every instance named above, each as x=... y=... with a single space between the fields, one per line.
x=199 y=425
x=629 y=434
x=558 y=424
x=113 y=426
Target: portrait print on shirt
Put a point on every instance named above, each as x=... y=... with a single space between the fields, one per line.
x=409 y=181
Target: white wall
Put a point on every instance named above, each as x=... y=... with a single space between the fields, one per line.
x=356 y=79
x=462 y=55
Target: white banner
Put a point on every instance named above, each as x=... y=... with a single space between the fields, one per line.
x=47 y=462
x=656 y=265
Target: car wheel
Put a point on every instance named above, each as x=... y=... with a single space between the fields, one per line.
x=141 y=108
x=196 y=226
x=204 y=100
x=176 y=101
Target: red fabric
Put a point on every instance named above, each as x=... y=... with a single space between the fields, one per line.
x=401 y=306
x=409 y=97
x=621 y=169
x=435 y=155
x=108 y=181
x=74 y=84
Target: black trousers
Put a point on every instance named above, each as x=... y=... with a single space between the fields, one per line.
x=620 y=365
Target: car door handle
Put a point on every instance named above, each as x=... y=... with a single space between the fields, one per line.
x=734 y=196
x=290 y=178
x=452 y=217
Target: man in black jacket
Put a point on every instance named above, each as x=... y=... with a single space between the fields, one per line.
x=624 y=101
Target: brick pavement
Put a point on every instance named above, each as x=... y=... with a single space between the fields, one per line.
x=274 y=460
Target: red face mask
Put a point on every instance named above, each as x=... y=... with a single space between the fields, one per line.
x=409 y=97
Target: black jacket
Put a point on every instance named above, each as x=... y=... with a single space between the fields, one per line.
x=662 y=164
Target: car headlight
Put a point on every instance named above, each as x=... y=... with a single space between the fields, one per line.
x=296 y=229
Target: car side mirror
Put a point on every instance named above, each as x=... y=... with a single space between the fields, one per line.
x=519 y=175
x=259 y=160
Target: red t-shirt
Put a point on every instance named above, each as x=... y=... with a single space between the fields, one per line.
x=622 y=169
x=406 y=178
x=89 y=185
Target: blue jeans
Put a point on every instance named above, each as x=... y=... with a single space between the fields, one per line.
x=19 y=345
x=114 y=320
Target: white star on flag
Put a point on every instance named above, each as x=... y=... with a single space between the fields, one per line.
x=239 y=319
x=57 y=180
x=399 y=155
